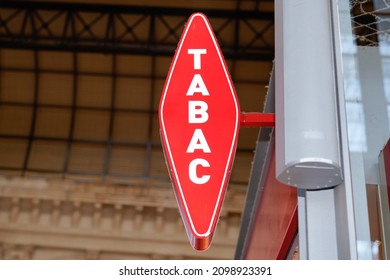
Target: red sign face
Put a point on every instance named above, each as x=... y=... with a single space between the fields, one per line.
x=199 y=119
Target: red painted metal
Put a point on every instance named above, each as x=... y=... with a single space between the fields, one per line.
x=386 y=158
x=289 y=235
x=276 y=221
x=199 y=118
x=257 y=120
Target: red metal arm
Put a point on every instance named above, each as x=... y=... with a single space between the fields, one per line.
x=257 y=120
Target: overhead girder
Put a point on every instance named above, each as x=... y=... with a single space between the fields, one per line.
x=142 y=30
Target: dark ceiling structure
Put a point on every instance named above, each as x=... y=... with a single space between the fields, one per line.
x=128 y=29
x=107 y=129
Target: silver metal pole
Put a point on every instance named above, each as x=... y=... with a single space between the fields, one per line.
x=315 y=125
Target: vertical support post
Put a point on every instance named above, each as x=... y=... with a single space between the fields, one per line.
x=374 y=107
x=327 y=227
x=302 y=225
x=307 y=139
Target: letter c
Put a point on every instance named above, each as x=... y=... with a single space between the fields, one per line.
x=193 y=174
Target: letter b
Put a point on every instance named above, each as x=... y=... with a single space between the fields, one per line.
x=197 y=112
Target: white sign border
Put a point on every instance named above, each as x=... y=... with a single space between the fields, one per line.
x=236 y=129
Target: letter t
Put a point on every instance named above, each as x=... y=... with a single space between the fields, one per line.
x=197 y=53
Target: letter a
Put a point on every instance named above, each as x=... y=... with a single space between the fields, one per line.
x=197 y=85
x=198 y=142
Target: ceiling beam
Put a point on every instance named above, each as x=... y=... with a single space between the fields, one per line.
x=139 y=30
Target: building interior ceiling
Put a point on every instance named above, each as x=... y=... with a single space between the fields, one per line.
x=80 y=84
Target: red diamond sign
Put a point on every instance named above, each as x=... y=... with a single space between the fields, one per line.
x=199 y=119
